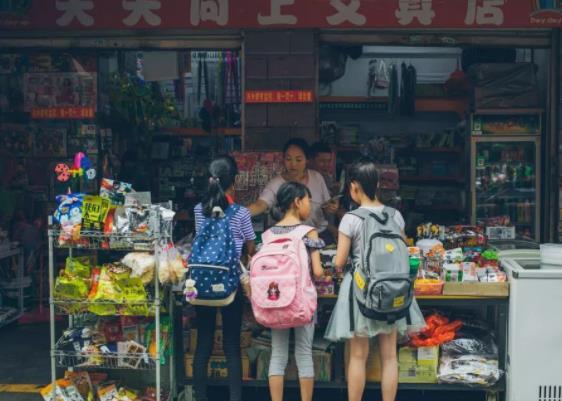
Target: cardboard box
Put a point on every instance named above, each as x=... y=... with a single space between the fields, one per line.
x=245 y=341
x=217 y=366
x=418 y=365
x=374 y=367
x=322 y=366
x=477 y=289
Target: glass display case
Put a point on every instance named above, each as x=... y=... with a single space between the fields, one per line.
x=505 y=182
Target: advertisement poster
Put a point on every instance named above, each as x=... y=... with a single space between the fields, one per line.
x=60 y=95
x=50 y=141
x=16 y=139
x=255 y=169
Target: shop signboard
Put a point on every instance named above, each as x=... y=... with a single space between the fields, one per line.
x=60 y=95
x=216 y=14
x=279 y=96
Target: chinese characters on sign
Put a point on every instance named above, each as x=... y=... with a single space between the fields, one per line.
x=291 y=96
x=56 y=113
x=209 y=14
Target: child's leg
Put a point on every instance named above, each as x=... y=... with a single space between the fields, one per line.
x=303 y=356
x=231 y=324
x=358 y=354
x=278 y=362
x=206 y=318
x=389 y=381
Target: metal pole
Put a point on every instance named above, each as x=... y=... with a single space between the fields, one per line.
x=20 y=279
x=157 y=305
x=52 y=315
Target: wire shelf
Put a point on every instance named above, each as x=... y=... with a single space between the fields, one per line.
x=100 y=240
x=104 y=360
x=106 y=308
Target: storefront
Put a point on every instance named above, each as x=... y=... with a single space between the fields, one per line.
x=152 y=90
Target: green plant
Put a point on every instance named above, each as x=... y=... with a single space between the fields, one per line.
x=139 y=106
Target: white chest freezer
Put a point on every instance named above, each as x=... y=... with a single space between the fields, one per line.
x=534 y=343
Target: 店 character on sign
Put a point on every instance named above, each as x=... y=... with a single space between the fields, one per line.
x=346 y=12
x=484 y=12
x=209 y=10
x=75 y=9
x=276 y=17
x=408 y=10
x=142 y=9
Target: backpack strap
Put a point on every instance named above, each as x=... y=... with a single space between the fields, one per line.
x=296 y=234
x=231 y=211
x=351 y=305
x=364 y=214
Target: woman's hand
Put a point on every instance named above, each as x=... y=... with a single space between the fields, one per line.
x=258 y=207
x=331 y=207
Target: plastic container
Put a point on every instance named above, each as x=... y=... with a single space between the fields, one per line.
x=551 y=255
x=428 y=287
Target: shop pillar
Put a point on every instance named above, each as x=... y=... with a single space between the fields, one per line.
x=279 y=60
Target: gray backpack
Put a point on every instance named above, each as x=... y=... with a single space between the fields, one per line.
x=381 y=280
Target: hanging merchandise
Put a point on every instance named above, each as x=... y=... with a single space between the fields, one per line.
x=372 y=78
x=403 y=82
x=393 y=90
x=219 y=79
x=232 y=91
x=411 y=90
x=382 y=80
x=458 y=83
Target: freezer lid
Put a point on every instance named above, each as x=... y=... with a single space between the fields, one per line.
x=529 y=268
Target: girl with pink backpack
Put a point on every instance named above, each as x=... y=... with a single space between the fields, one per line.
x=283 y=294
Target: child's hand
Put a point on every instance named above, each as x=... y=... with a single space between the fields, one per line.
x=332 y=206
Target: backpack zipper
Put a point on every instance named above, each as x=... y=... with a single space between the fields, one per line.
x=201 y=266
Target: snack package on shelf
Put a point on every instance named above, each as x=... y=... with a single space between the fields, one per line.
x=65 y=391
x=142 y=265
x=115 y=191
x=465 y=237
x=471 y=358
x=439 y=329
x=171 y=266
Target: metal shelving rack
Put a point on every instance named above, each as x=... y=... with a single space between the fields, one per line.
x=141 y=361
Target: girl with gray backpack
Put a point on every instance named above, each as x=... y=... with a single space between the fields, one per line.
x=376 y=295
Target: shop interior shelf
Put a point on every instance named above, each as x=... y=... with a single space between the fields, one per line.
x=100 y=240
x=334 y=384
x=200 y=132
x=507 y=111
x=431 y=179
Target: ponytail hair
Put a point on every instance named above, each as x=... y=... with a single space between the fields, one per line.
x=222 y=175
x=286 y=196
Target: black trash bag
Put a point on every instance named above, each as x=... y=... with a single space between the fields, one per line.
x=504 y=85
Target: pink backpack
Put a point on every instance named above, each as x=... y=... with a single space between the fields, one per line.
x=283 y=294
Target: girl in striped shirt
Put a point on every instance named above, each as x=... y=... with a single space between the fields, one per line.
x=222 y=173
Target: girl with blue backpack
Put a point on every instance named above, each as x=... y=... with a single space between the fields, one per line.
x=376 y=294
x=222 y=229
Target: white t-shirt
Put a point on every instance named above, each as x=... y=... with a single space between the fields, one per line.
x=351 y=225
x=318 y=190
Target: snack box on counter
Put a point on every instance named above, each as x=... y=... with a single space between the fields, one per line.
x=477 y=288
x=217 y=366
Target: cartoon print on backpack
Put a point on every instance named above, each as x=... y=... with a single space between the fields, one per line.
x=273 y=291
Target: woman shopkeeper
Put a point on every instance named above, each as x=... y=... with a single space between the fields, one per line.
x=295 y=154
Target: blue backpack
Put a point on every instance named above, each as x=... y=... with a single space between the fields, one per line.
x=213 y=262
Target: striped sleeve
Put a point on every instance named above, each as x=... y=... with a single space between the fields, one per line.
x=199 y=218
x=245 y=224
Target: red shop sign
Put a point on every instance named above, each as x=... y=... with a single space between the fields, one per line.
x=55 y=113
x=217 y=14
x=293 y=96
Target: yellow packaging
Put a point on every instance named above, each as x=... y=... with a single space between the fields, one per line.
x=245 y=341
x=217 y=366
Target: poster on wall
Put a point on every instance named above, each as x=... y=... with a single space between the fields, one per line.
x=60 y=95
x=255 y=169
x=50 y=141
x=16 y=139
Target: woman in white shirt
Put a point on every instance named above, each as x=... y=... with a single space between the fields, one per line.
x=295 y=154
